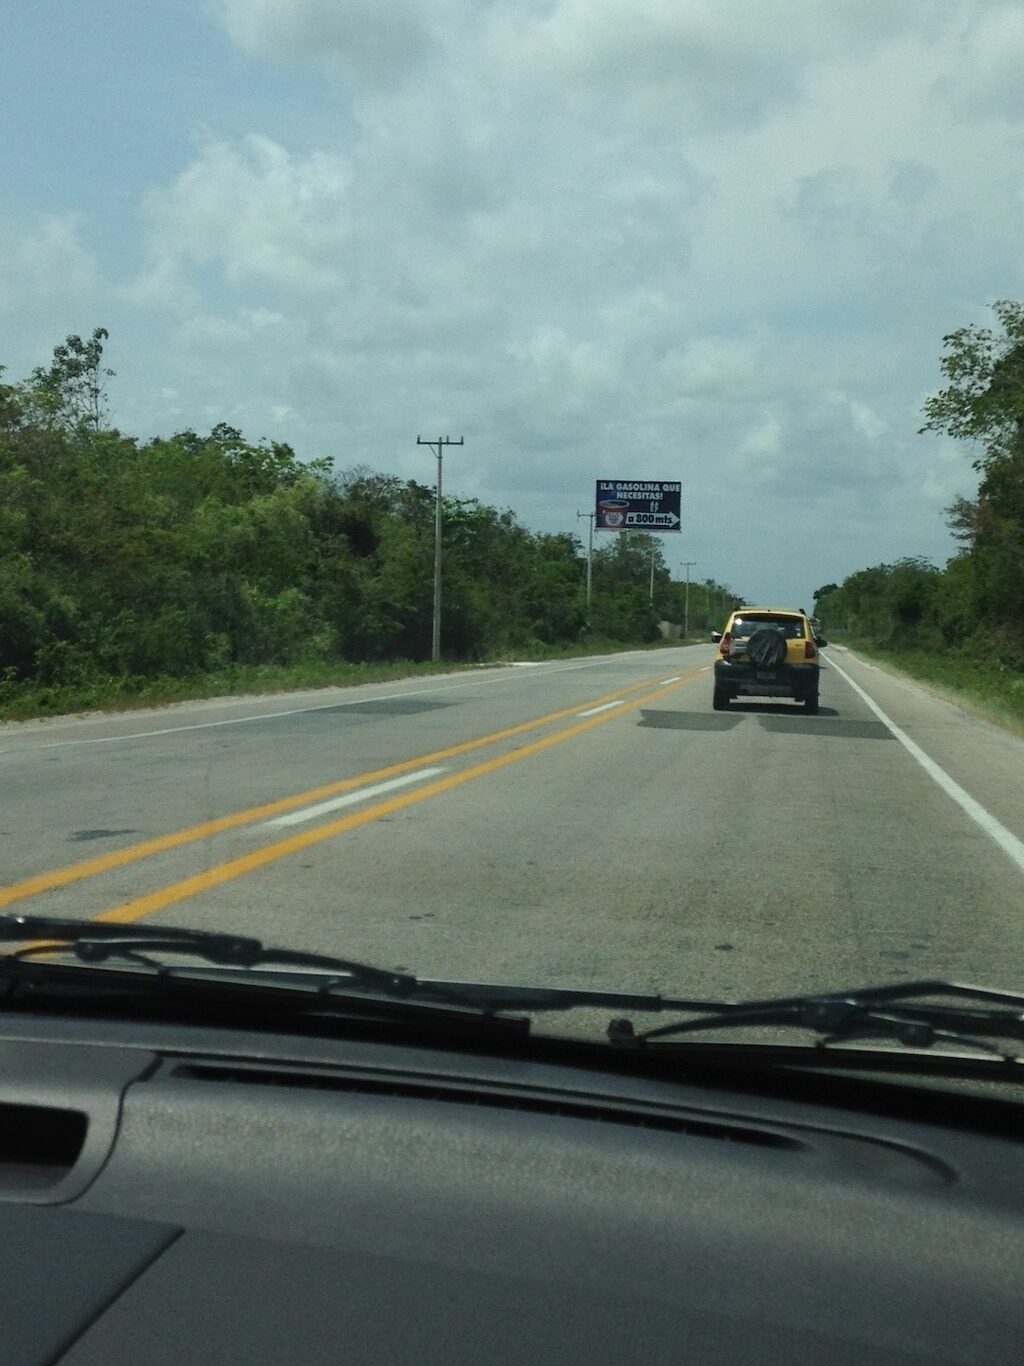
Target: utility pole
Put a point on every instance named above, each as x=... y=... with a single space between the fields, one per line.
x=687 y=565
x=440 y=443
x=590 y=553
x=653 y=544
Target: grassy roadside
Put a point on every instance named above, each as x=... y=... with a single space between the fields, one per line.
x=583 y=650
x=19 y=702
x=979 y=686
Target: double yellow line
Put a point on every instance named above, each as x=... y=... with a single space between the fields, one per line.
x=143 y=906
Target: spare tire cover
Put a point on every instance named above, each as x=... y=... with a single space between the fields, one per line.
x=767 y=647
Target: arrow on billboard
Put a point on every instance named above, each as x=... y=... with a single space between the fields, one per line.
x=652 y=519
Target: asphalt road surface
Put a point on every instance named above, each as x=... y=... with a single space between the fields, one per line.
x=589 y=822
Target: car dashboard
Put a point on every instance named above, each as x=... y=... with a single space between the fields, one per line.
x=172 y=1194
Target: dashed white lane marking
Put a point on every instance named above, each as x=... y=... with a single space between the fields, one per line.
x=996 y=831
x=672 y=680
x=362 y=794
x=605 y=706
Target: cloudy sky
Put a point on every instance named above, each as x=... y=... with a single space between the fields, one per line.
x=717 y=241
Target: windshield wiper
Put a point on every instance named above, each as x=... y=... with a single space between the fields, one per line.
x=96 y=942
x=897 y=1013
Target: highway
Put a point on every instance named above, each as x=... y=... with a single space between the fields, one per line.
x=586 y=822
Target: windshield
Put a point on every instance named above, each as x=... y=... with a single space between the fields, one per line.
x=396 y=401
x=790 y=627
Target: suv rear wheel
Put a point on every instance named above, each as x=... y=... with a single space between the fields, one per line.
x=720 y=699
x=811 y=704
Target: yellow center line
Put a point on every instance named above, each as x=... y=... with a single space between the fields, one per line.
x=148 y=905
x=120 y=858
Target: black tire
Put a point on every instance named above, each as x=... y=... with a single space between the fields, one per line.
x=767 y=648
x=720 y=700
x=811 y=704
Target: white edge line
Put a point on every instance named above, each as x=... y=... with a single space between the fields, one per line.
x=607 y=706
x=500 y=673
x=228 y=721
x=996 y=831
x=363 y=794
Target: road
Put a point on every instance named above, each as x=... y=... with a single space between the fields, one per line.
x=590 y=822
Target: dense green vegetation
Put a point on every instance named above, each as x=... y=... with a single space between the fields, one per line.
x=963 y=624
x=147 y=570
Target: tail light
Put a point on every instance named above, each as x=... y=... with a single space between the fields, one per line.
x=726 y=643
x=810 y=650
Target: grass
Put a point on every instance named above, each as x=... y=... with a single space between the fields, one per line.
x=537 y=650
x=23 y=702
x=26 y=701
x=981 y=686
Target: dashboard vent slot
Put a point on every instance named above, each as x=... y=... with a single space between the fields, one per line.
x=39 y=1144
x=490 y=1099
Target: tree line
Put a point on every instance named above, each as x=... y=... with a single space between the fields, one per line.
x=974 y=606
x=185 y=555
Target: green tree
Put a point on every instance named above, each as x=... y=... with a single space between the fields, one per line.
x=984 y=400
x=123 y=560
x=984 y=403
x=70 y=392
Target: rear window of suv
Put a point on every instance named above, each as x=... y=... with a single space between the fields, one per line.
x=791 y=627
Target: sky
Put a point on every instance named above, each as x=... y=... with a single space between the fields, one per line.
x=717 y=241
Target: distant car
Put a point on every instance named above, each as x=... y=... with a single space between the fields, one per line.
x=767 y=652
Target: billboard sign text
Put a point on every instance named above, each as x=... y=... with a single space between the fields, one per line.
x=637 y=505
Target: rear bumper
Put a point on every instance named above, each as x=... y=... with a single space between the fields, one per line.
x=788 y=680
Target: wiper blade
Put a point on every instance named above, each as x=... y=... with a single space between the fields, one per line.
x=900 y=1013
x=97 y=941
x=94 y=942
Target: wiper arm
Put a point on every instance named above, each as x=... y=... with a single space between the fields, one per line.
x=96 y=941
x=93 y=941
x=898 y=1012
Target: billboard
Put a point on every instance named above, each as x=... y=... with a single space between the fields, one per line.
x=637 y=505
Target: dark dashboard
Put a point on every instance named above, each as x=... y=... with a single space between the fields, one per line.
x=172 y=1194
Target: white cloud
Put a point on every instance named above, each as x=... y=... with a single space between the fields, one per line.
x=866 y=420
x=714 y=237
x=46 y=260
x=987 y=80
x=266 y=218
x=370 y=42
x=51 y=285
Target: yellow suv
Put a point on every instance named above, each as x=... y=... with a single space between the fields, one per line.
x=766 y=652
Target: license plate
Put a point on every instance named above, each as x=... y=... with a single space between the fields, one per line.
x=765 y=676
